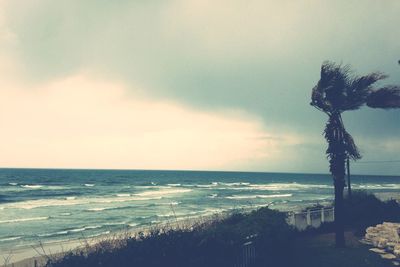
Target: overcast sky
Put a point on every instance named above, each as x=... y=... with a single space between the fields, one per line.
x=188 y=84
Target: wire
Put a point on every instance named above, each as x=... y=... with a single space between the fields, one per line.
x=377 y=161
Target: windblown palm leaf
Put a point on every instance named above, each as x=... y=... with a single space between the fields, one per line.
x=339 y=90
x=359 y=89
x=340 y=144
x=387 y=97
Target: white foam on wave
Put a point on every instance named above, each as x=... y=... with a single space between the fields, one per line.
x=210 y=185
x=24 y=220
x=174 y=185
x=207 y=212
x=152 y=186
x=235 y=184
x=258 y=196
x=376 y=186
x=13 y=184
x=287 y=186
x=96 y=209
x=10 y=238
x=162 y=192
x=115 y=223
x=69 y=231
x=53 y=234
x=39 y=203
x=77 y=230
x=34 y=186
x=263 y=187
x=41 y=187
x=123 y=195
x=173 y=203
x=205 y=185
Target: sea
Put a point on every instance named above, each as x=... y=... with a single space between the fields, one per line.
x=52 y=205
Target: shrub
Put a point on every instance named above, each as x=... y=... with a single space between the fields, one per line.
x=216 y=243
x=364 y=209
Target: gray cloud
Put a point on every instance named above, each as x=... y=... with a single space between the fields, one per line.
x=261 y=56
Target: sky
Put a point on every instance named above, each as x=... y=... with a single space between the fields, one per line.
x=189 y=84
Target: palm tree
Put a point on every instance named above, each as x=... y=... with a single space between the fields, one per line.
x=338 y=90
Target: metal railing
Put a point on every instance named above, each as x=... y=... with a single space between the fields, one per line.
x=301 y=220
x=311 y=218
x=247 y=255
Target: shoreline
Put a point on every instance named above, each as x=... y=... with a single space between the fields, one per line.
x=25 y=256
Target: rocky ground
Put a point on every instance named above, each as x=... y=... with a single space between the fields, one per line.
x=385 y=238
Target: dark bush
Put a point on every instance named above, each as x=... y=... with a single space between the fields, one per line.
x=216 y=243
x=364 y=209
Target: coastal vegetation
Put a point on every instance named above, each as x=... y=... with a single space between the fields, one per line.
x=219 y=242
x=216 y=242
x=337 y=91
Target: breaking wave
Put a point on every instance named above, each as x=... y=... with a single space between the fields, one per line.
x=35 y=186
x=24 y=220
x=40 y=203
x=163 y=192
x=10 y=238
x=259 y=196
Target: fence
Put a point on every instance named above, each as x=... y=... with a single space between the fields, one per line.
x=311 y=218
x=247 y=255
x=301 y=220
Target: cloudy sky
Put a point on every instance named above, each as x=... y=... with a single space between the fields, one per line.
x=188 y=84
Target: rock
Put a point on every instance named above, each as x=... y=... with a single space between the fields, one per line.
x=382 y=242
x=388 y=256
x=386 y=238
x=371 y=235
x=377 y=250
x=396 y=250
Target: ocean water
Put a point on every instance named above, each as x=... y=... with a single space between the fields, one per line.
x=49 y=205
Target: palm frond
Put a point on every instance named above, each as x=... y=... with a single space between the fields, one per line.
x=386 y=98
x=350 y=147
x=359 y=88
x=339 y=89
x=340 y=144
x=328 y=93
x=318 y=101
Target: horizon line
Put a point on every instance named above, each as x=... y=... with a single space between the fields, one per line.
x=184 y=170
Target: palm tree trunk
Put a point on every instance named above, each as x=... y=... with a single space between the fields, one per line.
x=348 y=177
x=339 y=212
x=334 y=133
